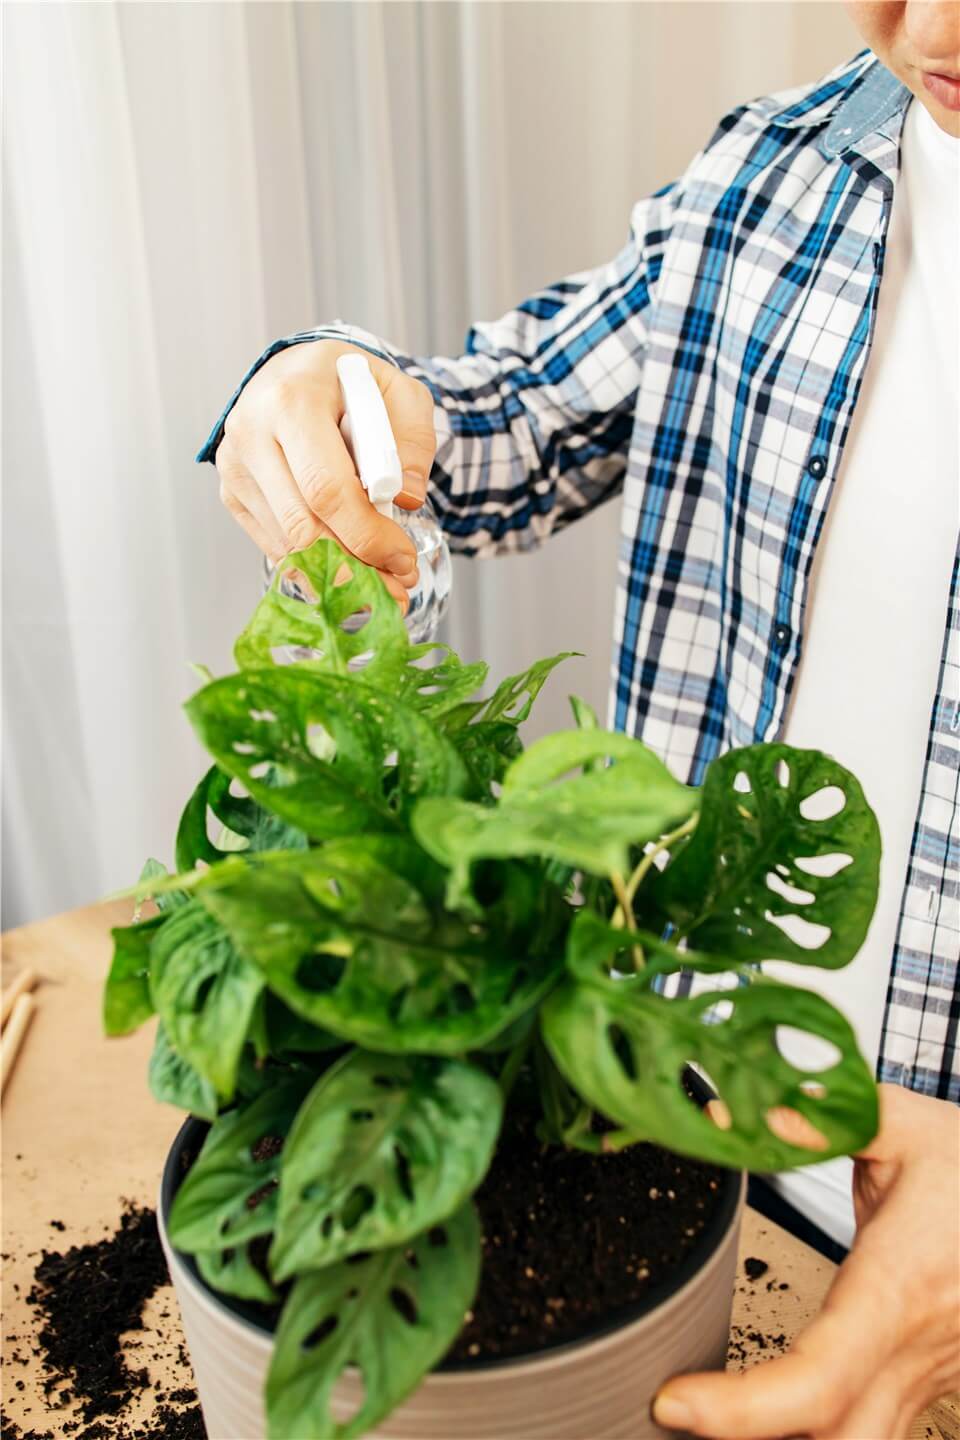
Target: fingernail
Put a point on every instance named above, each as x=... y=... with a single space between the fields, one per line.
x=671 y=1413
x=414 y=486
x=403 y=563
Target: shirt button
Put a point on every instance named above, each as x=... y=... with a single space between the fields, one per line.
x=781 y=636
x=817 y=466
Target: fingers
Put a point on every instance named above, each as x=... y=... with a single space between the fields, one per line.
x=410 y=407
x=256 y=532
x=288 y=477
x=321 y=483
x=794 y=1128
x=244 y=500
x=397 y=590
x=804 y=1393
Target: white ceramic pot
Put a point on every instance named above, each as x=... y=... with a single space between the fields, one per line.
x=595 y=1389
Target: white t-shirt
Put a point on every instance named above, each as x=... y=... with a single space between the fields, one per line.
x=881 y=579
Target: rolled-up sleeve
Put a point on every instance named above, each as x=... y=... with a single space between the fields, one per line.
x=533 y=421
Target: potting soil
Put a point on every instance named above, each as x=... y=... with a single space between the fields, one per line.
x=87 y=1298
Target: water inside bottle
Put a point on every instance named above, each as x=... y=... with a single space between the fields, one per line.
x=428 y=601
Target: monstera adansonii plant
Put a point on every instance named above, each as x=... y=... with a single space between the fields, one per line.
x=385 y=909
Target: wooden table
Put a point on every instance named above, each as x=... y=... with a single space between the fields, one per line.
x=81 y=1135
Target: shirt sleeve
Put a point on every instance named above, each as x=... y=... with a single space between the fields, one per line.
x=534 y=420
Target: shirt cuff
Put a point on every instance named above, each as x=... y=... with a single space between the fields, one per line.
x=331 y=332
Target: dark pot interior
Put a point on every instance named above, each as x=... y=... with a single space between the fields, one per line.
x=190 y=1138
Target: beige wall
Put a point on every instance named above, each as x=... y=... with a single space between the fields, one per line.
x=629 y=92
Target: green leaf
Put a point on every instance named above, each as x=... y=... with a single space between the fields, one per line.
x=354 y=937
x=382 y=1148
x=512 y=701
x=584 y=715
x=375 y=652
x=317 y=623
x=212 y=1208
x=248 y=825
x=513 y=698
x=205 y=992
x=487 y=749
x=589 y=821
x=233 y=1272
x=173 y=1081
x=336 y=766
x=126 y=995
x=725 y=888
x=287 y=1032
x=167 y=899
x=624 y=1049
x=596 y=951
x=392 y=1315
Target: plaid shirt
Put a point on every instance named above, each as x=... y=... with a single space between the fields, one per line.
x=710 y=373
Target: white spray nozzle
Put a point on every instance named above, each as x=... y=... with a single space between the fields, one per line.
x=374 y=448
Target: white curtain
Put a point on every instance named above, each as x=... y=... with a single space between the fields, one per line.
x=184 y=182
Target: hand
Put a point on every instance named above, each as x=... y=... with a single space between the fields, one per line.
x=286 y=474
x=887 y=1341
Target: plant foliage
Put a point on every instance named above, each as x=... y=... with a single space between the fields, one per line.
x=385 y=908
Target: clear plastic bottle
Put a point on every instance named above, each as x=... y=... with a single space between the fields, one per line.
x=428 y=601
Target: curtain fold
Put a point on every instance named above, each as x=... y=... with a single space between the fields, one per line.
x=183 y=183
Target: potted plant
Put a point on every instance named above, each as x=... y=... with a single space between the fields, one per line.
x=410 y=980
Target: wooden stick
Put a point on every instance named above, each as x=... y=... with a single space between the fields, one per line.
x=13 y=1035
x=25 y=981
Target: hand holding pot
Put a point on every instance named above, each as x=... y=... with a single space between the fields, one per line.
x=887 y=1342
x=287 y=476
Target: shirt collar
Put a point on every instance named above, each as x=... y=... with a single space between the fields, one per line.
x=880 y=98
x=855 y=103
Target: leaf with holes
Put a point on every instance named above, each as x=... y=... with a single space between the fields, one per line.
x=174 y=1081
x=238 y=1165
x=596 y=951
x=205 y=992
x=390 y=1317
x=382 y=1147
x=336 y=616
x=233 y=1272
x=589 y=821
x=487 y=750
x=759 y=871
x=308 y=751
x=513 y=699
x=354 y=938
x=624 y=1049
x=246 y=825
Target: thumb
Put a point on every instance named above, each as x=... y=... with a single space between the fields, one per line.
x=410 y=407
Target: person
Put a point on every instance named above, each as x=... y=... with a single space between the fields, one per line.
x=768 y=373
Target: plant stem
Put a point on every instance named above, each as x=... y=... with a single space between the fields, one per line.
x=624 y=911
x=625 y=892
x=514 y=1063
x=637 y=878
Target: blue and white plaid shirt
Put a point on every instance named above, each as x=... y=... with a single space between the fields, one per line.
x=710 y=373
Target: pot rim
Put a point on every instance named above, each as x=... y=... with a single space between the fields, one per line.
x=708 y=1243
